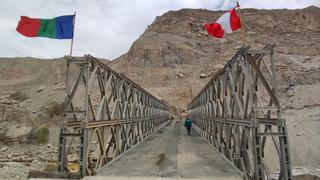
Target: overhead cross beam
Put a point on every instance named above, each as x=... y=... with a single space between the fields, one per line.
x=238 y=111
x=105 y=114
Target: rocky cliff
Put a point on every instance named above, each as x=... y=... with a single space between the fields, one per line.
x=174 y=51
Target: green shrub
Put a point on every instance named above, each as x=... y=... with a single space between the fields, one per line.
x=40 y=135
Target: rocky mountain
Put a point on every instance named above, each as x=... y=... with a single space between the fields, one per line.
x=173 y=59
x=174 y=51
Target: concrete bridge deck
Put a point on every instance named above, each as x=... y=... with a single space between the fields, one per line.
x=171 y=153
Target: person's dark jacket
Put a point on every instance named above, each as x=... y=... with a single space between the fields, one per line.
x=188 y=122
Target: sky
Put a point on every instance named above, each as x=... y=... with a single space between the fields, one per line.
x=103 y=28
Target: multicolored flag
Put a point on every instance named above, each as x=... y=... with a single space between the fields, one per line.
x=228 y=23
x=57 y=28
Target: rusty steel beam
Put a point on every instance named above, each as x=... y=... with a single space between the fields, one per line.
x=238 y=111
x=105 y=114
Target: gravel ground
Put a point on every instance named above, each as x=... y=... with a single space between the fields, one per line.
x=17 y=160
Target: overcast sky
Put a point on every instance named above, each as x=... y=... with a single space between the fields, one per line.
x=104 y=28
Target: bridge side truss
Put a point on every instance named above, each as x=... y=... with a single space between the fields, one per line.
x=105 y=114
x=238 y=112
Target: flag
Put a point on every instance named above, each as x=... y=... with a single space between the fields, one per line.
x=57 y=28
x=228 y=23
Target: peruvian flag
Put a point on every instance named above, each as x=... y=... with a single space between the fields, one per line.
x=228 y=23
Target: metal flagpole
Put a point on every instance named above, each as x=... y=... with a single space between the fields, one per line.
x=74 y=22
x=242 y=25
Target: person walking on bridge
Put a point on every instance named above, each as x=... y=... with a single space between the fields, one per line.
x=188 y=124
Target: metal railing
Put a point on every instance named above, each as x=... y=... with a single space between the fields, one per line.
x=105 y=114
x=238 y=111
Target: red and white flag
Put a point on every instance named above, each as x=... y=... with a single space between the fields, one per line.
x=228 y=23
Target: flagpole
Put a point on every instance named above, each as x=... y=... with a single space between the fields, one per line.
x=242 y=25
x=74 y=22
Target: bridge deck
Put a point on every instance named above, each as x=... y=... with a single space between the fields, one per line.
x=172 y=153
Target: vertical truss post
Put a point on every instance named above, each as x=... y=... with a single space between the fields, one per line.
x=285 y=160
x=259 y=171
x=83 y=151
x=62 y=149
x=62 y=139
x=84 y=131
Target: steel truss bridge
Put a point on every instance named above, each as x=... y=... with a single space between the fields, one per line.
x=106 y=112
x=238 y=112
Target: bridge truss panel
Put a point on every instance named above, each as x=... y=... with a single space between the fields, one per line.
x=105 y=114
x=238 y=112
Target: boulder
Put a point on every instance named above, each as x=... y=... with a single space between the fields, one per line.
x=17 y=131
x=252 y=33
x=202 y=75
x=72 y=157
x=59 y=88
x=49 y=146
x=218 y=66
x=307 y=58
x=181 y=75
x=40 y=89
x=6 y=101
x=10 y=132
x=3 y=149
x=237 y=47
x=290 y=93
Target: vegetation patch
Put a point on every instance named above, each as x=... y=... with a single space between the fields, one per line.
x=39 y=135
x=53 y=109
x=18 y=96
